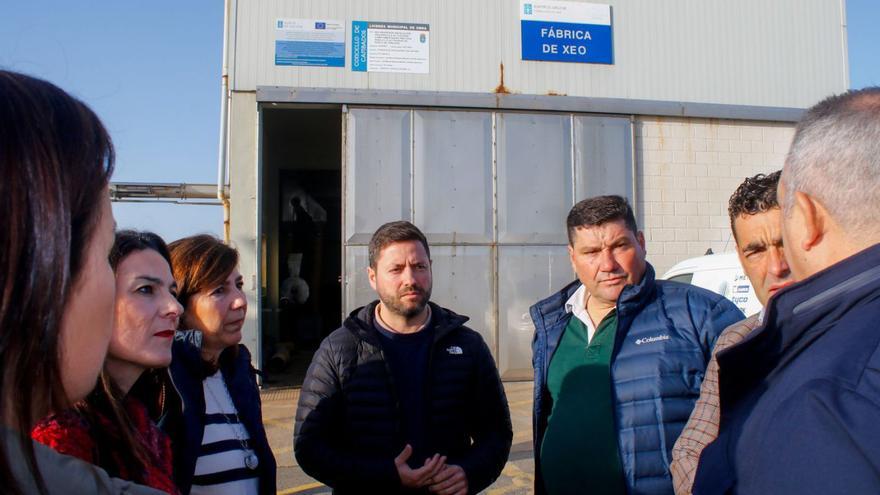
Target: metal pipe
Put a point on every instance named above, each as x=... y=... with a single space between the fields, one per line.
x=223 y=157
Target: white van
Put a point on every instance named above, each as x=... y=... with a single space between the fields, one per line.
x=720 y=273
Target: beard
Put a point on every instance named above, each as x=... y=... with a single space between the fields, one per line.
x=407 y=310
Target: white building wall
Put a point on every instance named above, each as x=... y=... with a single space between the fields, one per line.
x=781 y=53
x=243 y=207
x=686 y=170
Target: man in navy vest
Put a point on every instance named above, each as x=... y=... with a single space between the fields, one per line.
x=801 y=394
x=619 y=358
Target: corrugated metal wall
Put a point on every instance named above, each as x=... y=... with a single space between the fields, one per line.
x=491 y=191
x=785 y=53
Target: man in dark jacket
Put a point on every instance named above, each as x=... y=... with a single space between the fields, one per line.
x=756 y=223
x=619 y=358
x=403 y=398
x=801 y=395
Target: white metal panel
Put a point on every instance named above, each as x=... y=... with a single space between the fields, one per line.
x=452 y=178
x=785 y=53
x=534 y=177
x=526 y=274
x=455 y=67
x=464 y=282
x=377 y=175
x=357 y=283
x=603 y=157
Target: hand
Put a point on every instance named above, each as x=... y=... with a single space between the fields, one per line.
x=417 y=478
x=451 y=480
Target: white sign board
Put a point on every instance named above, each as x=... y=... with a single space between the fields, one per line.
x=389 y=47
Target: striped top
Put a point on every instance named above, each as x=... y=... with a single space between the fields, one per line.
x=220 y=467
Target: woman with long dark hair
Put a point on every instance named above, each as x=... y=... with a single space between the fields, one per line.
x=219 y=442
x=56 y=285
x=114 y=427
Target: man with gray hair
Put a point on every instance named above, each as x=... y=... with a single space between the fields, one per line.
x=801 y=395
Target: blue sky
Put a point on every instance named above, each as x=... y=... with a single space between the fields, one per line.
x=151 y=72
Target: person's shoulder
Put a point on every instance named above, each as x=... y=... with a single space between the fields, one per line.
x=66 y=420
x=695 y=297
x=469 y=336
x=341 y=336
x=340 y=343
x=67 y=432
x=736 y=332
x=673 y=288
x=556 y=301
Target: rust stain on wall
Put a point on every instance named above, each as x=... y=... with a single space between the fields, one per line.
x=501 y=89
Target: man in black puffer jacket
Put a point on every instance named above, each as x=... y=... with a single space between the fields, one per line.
x=403 y=398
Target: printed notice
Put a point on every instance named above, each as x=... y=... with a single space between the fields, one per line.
x=311 y=42
x=389 y=47
x=566 y=32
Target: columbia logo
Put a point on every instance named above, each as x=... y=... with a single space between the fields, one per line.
x=527 y=9
x=454 y=349
x=650 y=340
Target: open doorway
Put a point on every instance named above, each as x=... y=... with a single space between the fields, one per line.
x=302 y=237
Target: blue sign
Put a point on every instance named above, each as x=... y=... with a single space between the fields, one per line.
x=566 y=42
x=359 y=45
x=309 y=42
x=560 y=31
x=314 y=53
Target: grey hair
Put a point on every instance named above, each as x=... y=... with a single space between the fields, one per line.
x=835 y=158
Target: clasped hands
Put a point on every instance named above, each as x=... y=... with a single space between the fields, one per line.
x=439 y=477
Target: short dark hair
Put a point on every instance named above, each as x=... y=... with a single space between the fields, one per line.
x=599 y=210
x=755 y=195
x=392 y=232
x=129 y=241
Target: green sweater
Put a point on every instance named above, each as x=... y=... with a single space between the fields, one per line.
x=579 y=454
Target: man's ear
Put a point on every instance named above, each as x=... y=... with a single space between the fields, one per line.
x=571 y=258
x=640 y=238
x=815 y=219
x=371 y=275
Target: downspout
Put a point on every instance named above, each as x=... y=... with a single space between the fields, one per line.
x=222 y=160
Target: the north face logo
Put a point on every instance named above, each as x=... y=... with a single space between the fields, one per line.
x=649 y=340
x=454 y=349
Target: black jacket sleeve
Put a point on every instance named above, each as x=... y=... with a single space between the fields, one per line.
x=491 y=430
x=316 y=438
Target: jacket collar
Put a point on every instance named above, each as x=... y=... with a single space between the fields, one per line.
x=189 y=345
x=360 y=322
x=801 y=313
x=633 y=297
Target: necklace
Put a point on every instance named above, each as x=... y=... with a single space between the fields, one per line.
x=250 y=458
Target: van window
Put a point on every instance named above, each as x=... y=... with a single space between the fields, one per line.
x=684 y=278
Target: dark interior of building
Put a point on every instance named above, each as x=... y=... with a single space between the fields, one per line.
x=302 y=237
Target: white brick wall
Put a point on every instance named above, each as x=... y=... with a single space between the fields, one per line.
x=686 y=170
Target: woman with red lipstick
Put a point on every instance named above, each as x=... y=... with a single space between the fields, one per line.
x=113 y=427
x=219 y=442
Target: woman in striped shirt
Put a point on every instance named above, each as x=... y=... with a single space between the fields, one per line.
x=219 y=443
